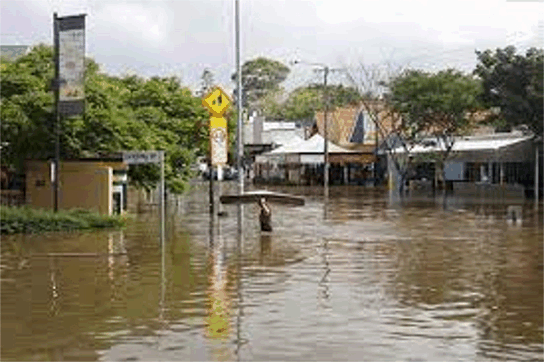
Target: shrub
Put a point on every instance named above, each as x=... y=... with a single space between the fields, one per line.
x=28 y=220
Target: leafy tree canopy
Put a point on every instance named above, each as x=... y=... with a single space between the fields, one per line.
x=514 y=83
x=434 y=103
x=260 y=76
x=303 y=102
x=122 y=113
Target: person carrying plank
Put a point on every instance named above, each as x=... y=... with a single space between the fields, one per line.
x=262 y=198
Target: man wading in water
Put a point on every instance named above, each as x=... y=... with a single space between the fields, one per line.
x=265 y=216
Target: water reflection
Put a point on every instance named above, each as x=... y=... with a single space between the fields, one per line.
x=218 y=321
x=266 y=248
x=324 y=290
x=407 y=280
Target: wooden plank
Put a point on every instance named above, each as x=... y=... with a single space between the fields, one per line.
x=254 y=196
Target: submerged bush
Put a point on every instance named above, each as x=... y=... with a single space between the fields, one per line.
x=25 y=219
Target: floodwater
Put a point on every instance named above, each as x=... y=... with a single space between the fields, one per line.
x=366 y=277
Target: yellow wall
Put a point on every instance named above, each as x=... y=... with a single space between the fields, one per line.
x=86 y=185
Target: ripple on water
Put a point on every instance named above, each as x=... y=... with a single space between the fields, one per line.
x=371 y=280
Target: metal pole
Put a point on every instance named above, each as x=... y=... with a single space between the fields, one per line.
x=220 y=184
x=240 y=150
x=212 y=199
x=326 y=134
x=537 y=176
x=162 y=234
x=56 y=91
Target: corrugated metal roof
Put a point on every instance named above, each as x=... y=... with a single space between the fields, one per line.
x=487 y=143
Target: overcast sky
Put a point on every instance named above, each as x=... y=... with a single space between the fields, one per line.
x=183 y=37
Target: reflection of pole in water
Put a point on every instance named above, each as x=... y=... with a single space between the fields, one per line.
x=54 y=288
x=324 y=282
x=162 y=306
x=218 y=320
x=110 y=258
x=325 y=206
x=211 y=230
x=116 y=251
x=239 y=243
x=240 y=217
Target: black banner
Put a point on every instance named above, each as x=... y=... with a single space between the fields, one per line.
x=70 y=64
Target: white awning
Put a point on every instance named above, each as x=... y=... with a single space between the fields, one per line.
x=313 y=145
x=468 y=144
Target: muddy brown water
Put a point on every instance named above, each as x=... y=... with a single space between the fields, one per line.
x=366 y=277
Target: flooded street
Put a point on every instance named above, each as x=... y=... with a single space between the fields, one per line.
x=364 y=277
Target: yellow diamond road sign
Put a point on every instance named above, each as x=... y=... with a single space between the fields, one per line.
x=217 y=102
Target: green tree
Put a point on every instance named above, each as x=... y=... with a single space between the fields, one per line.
x=303 y=102
x=260 y=76
x=514 y=83
x=206 y=83
x=129 y=113
x=434 y=105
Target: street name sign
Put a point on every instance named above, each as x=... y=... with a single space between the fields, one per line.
x=141 y=157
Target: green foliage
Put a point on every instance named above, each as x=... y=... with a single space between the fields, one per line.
x=260 y=76
x=514 y=83
x=434 y=103
x=207 y=83
x=28 y=220
x=122 y=113
x=304 y=102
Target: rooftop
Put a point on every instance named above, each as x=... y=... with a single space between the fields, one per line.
x=493 y=142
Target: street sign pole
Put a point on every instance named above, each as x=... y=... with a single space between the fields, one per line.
x=56 y=85
x=220 y=184
x=144 y=157
x=162 y=206
x=217 y=102
x=212 y=198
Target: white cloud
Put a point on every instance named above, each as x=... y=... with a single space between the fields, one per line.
x=443 y=19
x=185 y=36
x=140 y=23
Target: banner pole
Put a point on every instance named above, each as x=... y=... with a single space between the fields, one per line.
x=56 y=90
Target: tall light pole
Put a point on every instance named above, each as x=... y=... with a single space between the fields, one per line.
x=240 y=150
x=326 y=70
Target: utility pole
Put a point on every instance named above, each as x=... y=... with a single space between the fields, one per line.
x=326 y=70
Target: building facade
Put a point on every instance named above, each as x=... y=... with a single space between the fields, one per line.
x=93 y=184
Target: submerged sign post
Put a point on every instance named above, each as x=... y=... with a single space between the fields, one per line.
x=217 y=102
x=142 y=157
